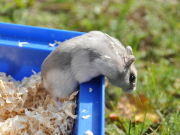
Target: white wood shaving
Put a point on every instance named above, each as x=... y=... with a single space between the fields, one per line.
x=90 y=90
x=27 y=109
x=52 y=44
x=86 y=116
x=56 y=43
x=84 y=110
x=88 y=132
x=21 y=44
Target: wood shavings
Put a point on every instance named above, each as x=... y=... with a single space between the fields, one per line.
x=84 y=110
x=27 y=109
x=52 y=44
x=2 y=87
x=73 y=95
x=88 y=132
x=86 y=116
x=21 y=44
x=56 y=43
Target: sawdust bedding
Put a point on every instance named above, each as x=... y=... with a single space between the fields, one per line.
x=27 y=109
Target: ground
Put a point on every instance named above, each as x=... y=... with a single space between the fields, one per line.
x=151 y=27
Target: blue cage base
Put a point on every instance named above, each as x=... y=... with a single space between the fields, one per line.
x=20 y=61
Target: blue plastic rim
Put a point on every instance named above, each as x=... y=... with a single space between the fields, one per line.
x=20 y=61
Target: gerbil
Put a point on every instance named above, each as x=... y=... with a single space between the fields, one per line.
x=87 y=56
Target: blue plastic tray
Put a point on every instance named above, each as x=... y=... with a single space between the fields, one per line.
x=20 y=61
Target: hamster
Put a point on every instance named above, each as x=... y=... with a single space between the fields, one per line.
x=85 y=57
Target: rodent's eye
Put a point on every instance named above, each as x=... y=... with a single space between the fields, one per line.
x=132 y=78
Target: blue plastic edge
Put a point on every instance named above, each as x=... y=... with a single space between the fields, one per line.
x=89 y=103
x=91 y=107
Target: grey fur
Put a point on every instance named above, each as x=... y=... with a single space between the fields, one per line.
x=64 y=59
x=93 y=55
x=55 y=59
x=82 y=58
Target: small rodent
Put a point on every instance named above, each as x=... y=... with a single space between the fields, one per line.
x=82 y=58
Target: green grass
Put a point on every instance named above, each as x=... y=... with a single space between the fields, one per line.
x=151 y=27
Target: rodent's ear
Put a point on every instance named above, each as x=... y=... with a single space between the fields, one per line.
x=129 y=50
x=130 y=59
